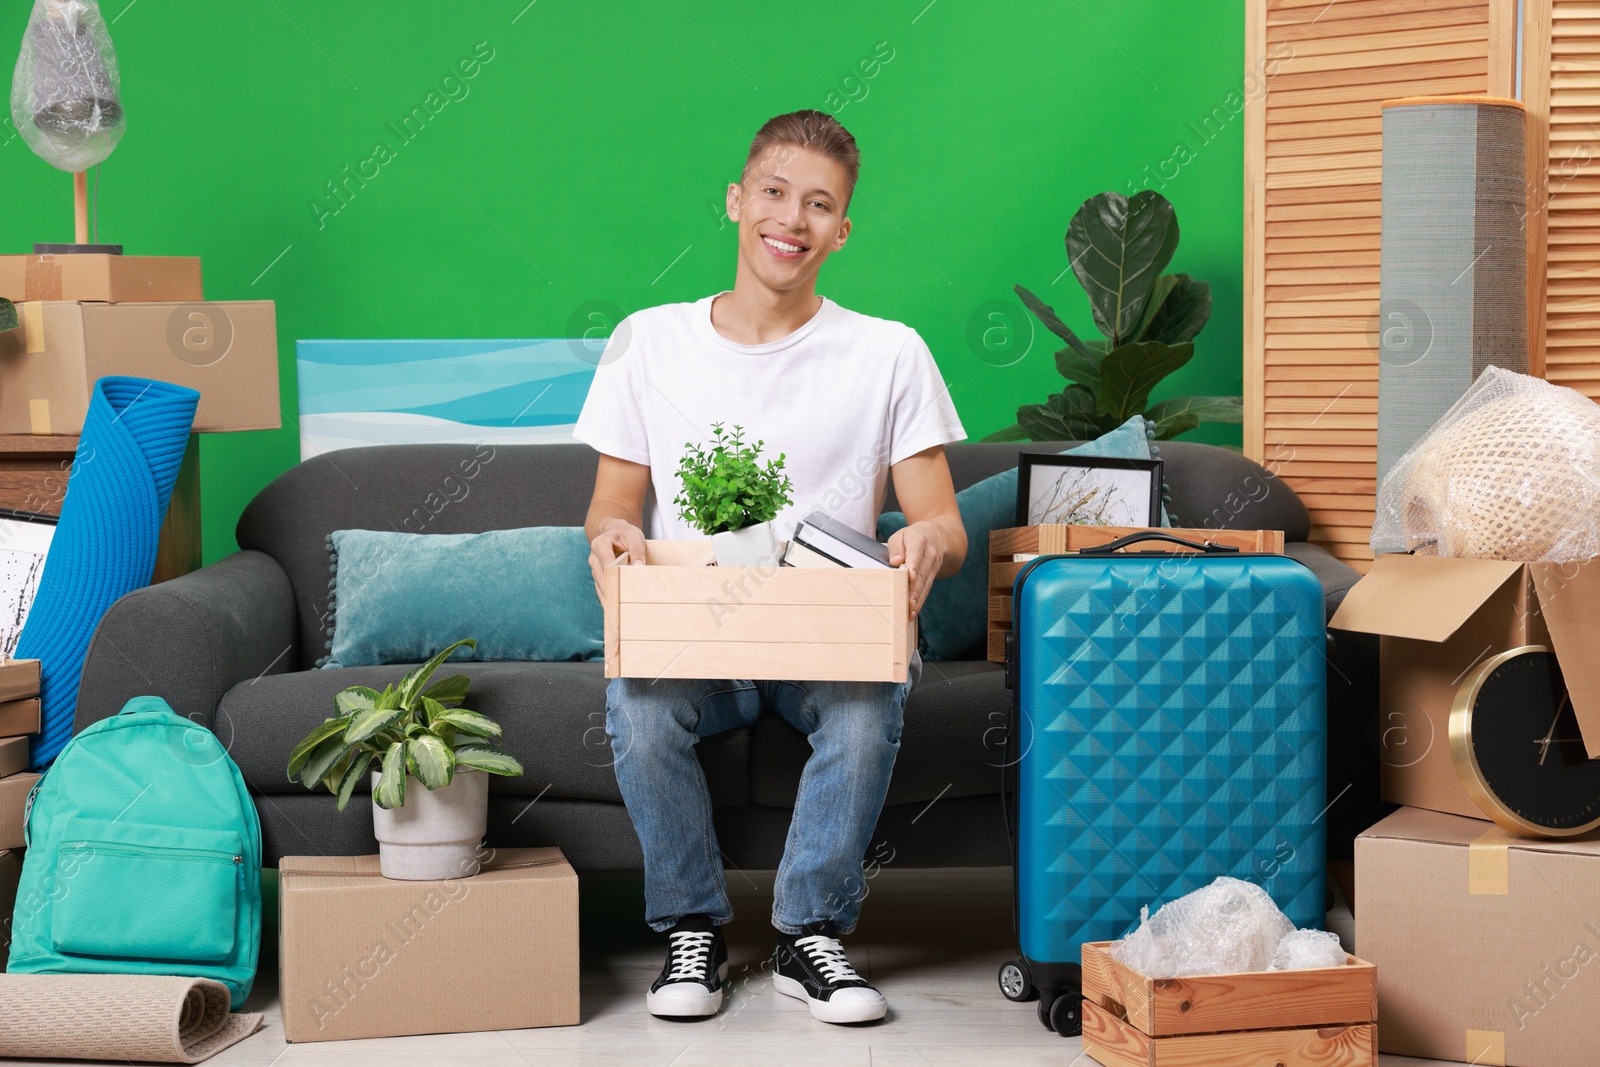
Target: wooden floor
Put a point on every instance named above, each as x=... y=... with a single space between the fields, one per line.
x=931 y=940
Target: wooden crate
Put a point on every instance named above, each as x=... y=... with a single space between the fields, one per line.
x=677 y=617
x=1316 y=1018
x=1045 y=540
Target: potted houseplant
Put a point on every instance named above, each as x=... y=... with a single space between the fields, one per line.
x=1118 y=247
x=420 y=735
x=729 y=495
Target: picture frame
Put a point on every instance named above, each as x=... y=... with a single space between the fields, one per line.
x=25 y=538
x=1087 y=490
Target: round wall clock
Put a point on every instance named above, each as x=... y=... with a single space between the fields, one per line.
x=1517 y=749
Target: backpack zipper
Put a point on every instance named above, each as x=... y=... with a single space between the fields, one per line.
x=177 y=853
x=27 y=814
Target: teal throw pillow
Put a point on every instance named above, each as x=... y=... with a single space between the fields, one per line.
x=522 y=594
x=954 y=623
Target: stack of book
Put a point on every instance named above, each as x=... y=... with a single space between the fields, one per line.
x=19 y=712
x=820 y=541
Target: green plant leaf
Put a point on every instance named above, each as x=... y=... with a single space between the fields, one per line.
x=1080 y=367
x=1118 y=247
x=391 y=791
x=321 y=759
x=485 y=758
x=1066 y=416
x=451 y=690
x=1051 y=320
x=1129 y=373
x=1183 y=413
x=417 y=677
x=353 y=774
x=431 y=761
x=356 y=698
x=302 y=751
x=1158 y=296
x=468 y=722
x=367 y=724
x=8 y=315
x=1182 y=315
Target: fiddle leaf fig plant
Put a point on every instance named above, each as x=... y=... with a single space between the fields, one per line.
x=410 y=728
x=726 y=487
x=1118 y=246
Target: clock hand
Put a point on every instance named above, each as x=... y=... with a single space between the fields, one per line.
x=1544 y=745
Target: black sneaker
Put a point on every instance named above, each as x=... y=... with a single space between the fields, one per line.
x=697 y=964
x=811 y=966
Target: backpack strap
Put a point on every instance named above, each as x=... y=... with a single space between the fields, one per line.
x=146 y=703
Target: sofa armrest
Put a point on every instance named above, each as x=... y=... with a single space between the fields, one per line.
x=191 y=639
x=1335 y=574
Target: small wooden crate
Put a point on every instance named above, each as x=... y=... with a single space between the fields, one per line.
x=679 y=618
x=1046 y=540
x=1315 y=1018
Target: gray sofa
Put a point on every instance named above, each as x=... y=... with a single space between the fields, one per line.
x=233 y=646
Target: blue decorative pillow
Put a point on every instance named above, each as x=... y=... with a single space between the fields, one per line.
x=953 y=624
x=522 y=594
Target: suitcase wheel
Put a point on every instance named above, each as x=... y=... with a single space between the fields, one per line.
x=1015 y=982
x=1063 y=1013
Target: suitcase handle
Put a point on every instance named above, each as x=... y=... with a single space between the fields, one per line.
x=1156 y=535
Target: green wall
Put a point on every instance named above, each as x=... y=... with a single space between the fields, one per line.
x=591 y=152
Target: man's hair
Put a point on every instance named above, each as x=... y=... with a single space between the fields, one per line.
x=812 y=129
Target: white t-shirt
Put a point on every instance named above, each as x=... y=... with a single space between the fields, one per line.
x=843 y=398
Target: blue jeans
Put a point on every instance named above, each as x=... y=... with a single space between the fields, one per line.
x=854 y=730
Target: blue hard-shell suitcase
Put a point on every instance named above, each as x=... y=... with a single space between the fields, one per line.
x=1169 y=727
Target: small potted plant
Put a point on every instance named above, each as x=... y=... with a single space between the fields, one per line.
x=420 y=734
x=729 y=495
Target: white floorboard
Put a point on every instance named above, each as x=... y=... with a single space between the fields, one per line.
x=931 y=940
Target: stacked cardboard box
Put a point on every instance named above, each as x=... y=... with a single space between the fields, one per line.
x=361 y=955
x=1483 y=941
x=85 y=316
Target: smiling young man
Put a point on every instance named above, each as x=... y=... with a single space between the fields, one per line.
x=850 y=401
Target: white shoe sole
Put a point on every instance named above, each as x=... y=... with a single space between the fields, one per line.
x=852 y=1011
x=687 y=1003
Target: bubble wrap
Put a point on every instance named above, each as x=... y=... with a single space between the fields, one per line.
x=1511 y=471
x=1225 y=927
x=1303 y=950
x=64 y=98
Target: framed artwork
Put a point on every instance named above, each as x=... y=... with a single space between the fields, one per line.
x=24 y=541
x=1087 y=490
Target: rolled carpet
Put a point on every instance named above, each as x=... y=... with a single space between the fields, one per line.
x=122 y=475
x=146 y=1018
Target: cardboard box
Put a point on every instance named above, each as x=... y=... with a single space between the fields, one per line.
x=13 y=808
x=91 y=276
x=10 y=876
x=1288 y=1018
x=226 y=349
x=19 y=717
x=678 y=618
x=361 y=955
x=1487 y=946
x=1005 y=545
x=13 y=755
x=19 y=678
x=1438 y=617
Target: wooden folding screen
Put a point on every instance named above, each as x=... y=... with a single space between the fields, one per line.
x=1316 y=74
x=1561 y=76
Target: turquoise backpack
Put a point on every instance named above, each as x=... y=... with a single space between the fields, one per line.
x=144 y=856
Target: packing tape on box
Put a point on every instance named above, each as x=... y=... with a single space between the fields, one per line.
x=42 y=280
x=39 y=416
x=32 y=315
x=1486 y=1048
x=1489 y=865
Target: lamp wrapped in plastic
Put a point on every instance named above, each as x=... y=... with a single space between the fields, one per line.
x=64 y=98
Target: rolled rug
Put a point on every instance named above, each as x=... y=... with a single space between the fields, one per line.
x=139 y=1017
x=129 y=451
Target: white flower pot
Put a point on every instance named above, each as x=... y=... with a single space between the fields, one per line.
x=752 y=546
x=436 y=832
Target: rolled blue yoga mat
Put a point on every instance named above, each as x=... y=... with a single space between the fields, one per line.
x=129 y=451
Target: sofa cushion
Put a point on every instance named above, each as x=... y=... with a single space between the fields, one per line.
x=953 y=743
x=553 y=715
x=522 y=594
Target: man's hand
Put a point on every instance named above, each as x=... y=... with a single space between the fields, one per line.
x=920 y=547
x=608 y=545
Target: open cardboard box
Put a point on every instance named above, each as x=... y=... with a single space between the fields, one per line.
x=1437 y=617
x=677 y=617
